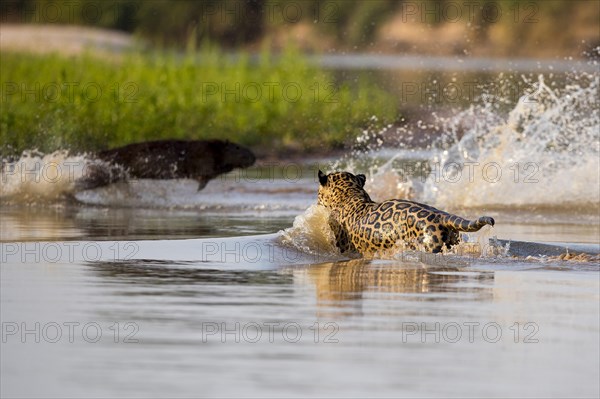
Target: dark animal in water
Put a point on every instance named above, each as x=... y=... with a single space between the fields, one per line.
x=201 y=160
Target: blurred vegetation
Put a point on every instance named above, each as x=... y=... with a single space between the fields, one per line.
x=207 y=93
x=511 y=26
x=85 y=103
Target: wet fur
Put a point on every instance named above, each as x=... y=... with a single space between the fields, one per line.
x=364 y=226
x=201 y=160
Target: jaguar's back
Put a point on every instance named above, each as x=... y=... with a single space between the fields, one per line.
x=364 y=226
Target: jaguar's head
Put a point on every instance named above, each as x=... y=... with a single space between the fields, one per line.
x=336 y=189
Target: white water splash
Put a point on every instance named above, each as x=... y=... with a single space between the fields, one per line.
x=544 y=153
x=37 y=177
x=311 y=234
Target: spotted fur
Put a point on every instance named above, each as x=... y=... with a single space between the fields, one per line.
x=364 y=226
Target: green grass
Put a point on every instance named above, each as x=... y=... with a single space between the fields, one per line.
x=51 y=102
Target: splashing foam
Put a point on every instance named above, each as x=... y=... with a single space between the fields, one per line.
x=42 y=178
x=311 y=234
x=545 y=153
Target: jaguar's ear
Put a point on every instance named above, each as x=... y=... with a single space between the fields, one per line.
x=362 y=179
x=322 y=178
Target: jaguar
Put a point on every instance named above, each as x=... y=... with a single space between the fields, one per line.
x=363 y=226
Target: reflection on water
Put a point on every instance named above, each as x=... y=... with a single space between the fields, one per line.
x=339 y=281
x=341 y=285
x=74 y=222
x=366 y=328
x=169 y=274
x=412 y=327
x=211 y=319
x=334 y=280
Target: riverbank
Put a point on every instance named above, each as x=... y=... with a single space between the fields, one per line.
x=87 y=102
x=486 y=28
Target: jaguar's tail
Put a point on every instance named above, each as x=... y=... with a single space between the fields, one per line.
x=461 y=224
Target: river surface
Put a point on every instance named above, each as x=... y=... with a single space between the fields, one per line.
x=153 y=289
